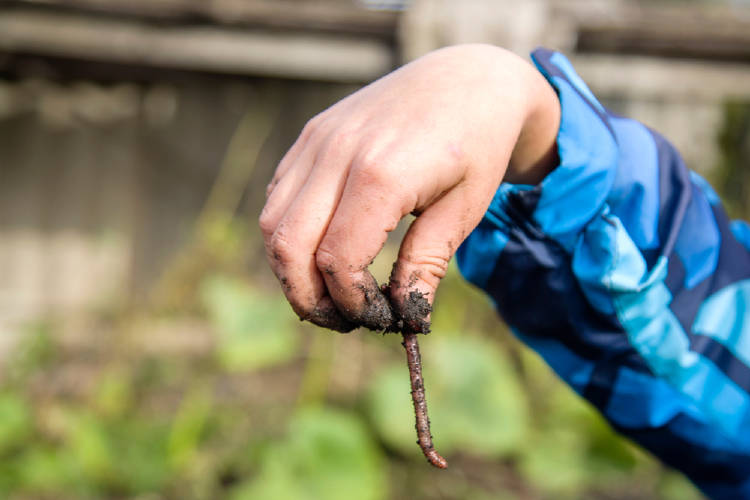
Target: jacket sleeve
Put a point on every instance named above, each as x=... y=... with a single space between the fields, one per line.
x=622 y=270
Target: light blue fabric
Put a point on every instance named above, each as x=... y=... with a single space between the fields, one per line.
x=642 y=400
x=657 y=335
x=574 y=192
x=725 y=317
x=633 y=197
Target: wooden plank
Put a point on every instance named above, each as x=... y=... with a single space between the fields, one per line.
x=339 y=16
x=316 y=56
x=716 y=33
x=649 y=77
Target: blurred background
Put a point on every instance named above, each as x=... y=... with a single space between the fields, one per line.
x=146 y=351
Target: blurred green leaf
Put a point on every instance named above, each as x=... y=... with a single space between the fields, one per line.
x=188 y=426
x=16 y=423
x=44 y=469
x=142 y=461
x=674 y=486
x=475 y=401
x=327 y=455
x=572 y=447
x=114 y=393
x=460 y=306
x=90 y=445
x=556 y=463
x=34 y=351
x=255 y=329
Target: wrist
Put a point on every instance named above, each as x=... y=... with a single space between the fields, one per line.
x=535 y=153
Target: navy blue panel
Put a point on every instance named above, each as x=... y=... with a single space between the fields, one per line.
x=523 y=203
x=733 y=266
x=536 y=292
x=723 y=358
x=675 y=190
x=603 y=378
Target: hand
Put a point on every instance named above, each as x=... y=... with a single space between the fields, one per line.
x=434 y=138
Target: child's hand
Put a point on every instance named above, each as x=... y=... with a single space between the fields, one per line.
x=433 y=138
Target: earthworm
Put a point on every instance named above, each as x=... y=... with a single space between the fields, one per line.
x=414 y=360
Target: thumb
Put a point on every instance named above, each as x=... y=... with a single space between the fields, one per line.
x=426 y=250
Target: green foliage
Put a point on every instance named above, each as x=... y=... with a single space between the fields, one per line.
x=732 y=176
x=673 y=486
x=35 y=351
x=326 y=455
x=572 y=448
x=114 y=394
x=188 y=426
x=42 y=469
x=15 y=422
x=476 y=403
x=222 y=424
x=255 y=330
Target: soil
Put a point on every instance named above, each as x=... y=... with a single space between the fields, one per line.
x=379 y=313
x=326 y=315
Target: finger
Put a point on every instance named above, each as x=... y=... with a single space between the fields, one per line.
x=281 y=196
x=291 y=248
x=355 y=235
x=374 y=200
x=427 y=248
x=290 y=158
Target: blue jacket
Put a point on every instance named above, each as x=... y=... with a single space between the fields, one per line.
x=622 y=270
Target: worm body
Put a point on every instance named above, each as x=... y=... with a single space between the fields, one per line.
x=424 y=437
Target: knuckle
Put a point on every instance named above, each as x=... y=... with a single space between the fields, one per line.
x=270 y=187
x=326 y=260
x=312 y=126
x=267 y=223
x=372 y=169
x=339 y=141
x=282 y=250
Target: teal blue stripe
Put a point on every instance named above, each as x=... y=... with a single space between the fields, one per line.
x=657 y=335
x=725 y=317
x=641 y=302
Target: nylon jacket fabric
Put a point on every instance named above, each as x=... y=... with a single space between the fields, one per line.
x=622 y=270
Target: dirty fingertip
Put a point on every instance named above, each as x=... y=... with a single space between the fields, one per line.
x=411 y=305
x=326 y=314
x=414 y=310
x=376 y=313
